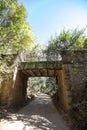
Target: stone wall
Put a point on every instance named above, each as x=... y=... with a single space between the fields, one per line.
x=13 y=92
x=18 y=96
x=5 y=91
x=70 y=57
x=8 y=81
x=75 y=67
x=64 y=93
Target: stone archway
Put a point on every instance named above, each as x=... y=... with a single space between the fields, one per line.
x=18 y=94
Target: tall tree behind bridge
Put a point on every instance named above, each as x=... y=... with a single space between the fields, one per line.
x=66 y=40
x=15 y=33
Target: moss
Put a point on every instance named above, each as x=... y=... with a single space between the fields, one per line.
x=37 y=65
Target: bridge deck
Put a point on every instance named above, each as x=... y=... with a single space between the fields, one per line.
x=41 y=68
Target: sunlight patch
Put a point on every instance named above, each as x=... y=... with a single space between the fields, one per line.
x=13 y=125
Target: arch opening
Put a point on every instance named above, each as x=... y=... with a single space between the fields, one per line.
x=47 y=85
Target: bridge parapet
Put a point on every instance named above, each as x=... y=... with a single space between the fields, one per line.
x=74 y=56
x=40 y=65
x=39 y=57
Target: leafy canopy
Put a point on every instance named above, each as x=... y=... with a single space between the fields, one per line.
x=67 y=40
x=15 y=33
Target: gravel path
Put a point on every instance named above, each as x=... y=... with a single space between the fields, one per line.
x=40 y=114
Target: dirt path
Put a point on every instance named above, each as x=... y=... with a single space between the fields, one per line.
x=40 y=114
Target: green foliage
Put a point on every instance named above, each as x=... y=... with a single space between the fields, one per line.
x=15 y=32
x=42 y=84
x=67 y=40
x=51 y=86
x=36 y=53
x=71 y=39
x=36 y=84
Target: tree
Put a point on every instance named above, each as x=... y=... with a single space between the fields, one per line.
x=15 y=33
x=36 y=53
x=66 y=40
x=51 y=86
x=36 y=84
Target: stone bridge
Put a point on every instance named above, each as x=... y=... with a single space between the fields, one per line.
x=70 y=73
x=40 y=68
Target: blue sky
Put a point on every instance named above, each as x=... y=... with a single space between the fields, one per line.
x=48 y=17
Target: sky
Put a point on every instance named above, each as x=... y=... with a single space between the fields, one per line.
x=50 y=17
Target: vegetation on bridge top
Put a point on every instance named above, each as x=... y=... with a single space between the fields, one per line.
x=41 y=65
